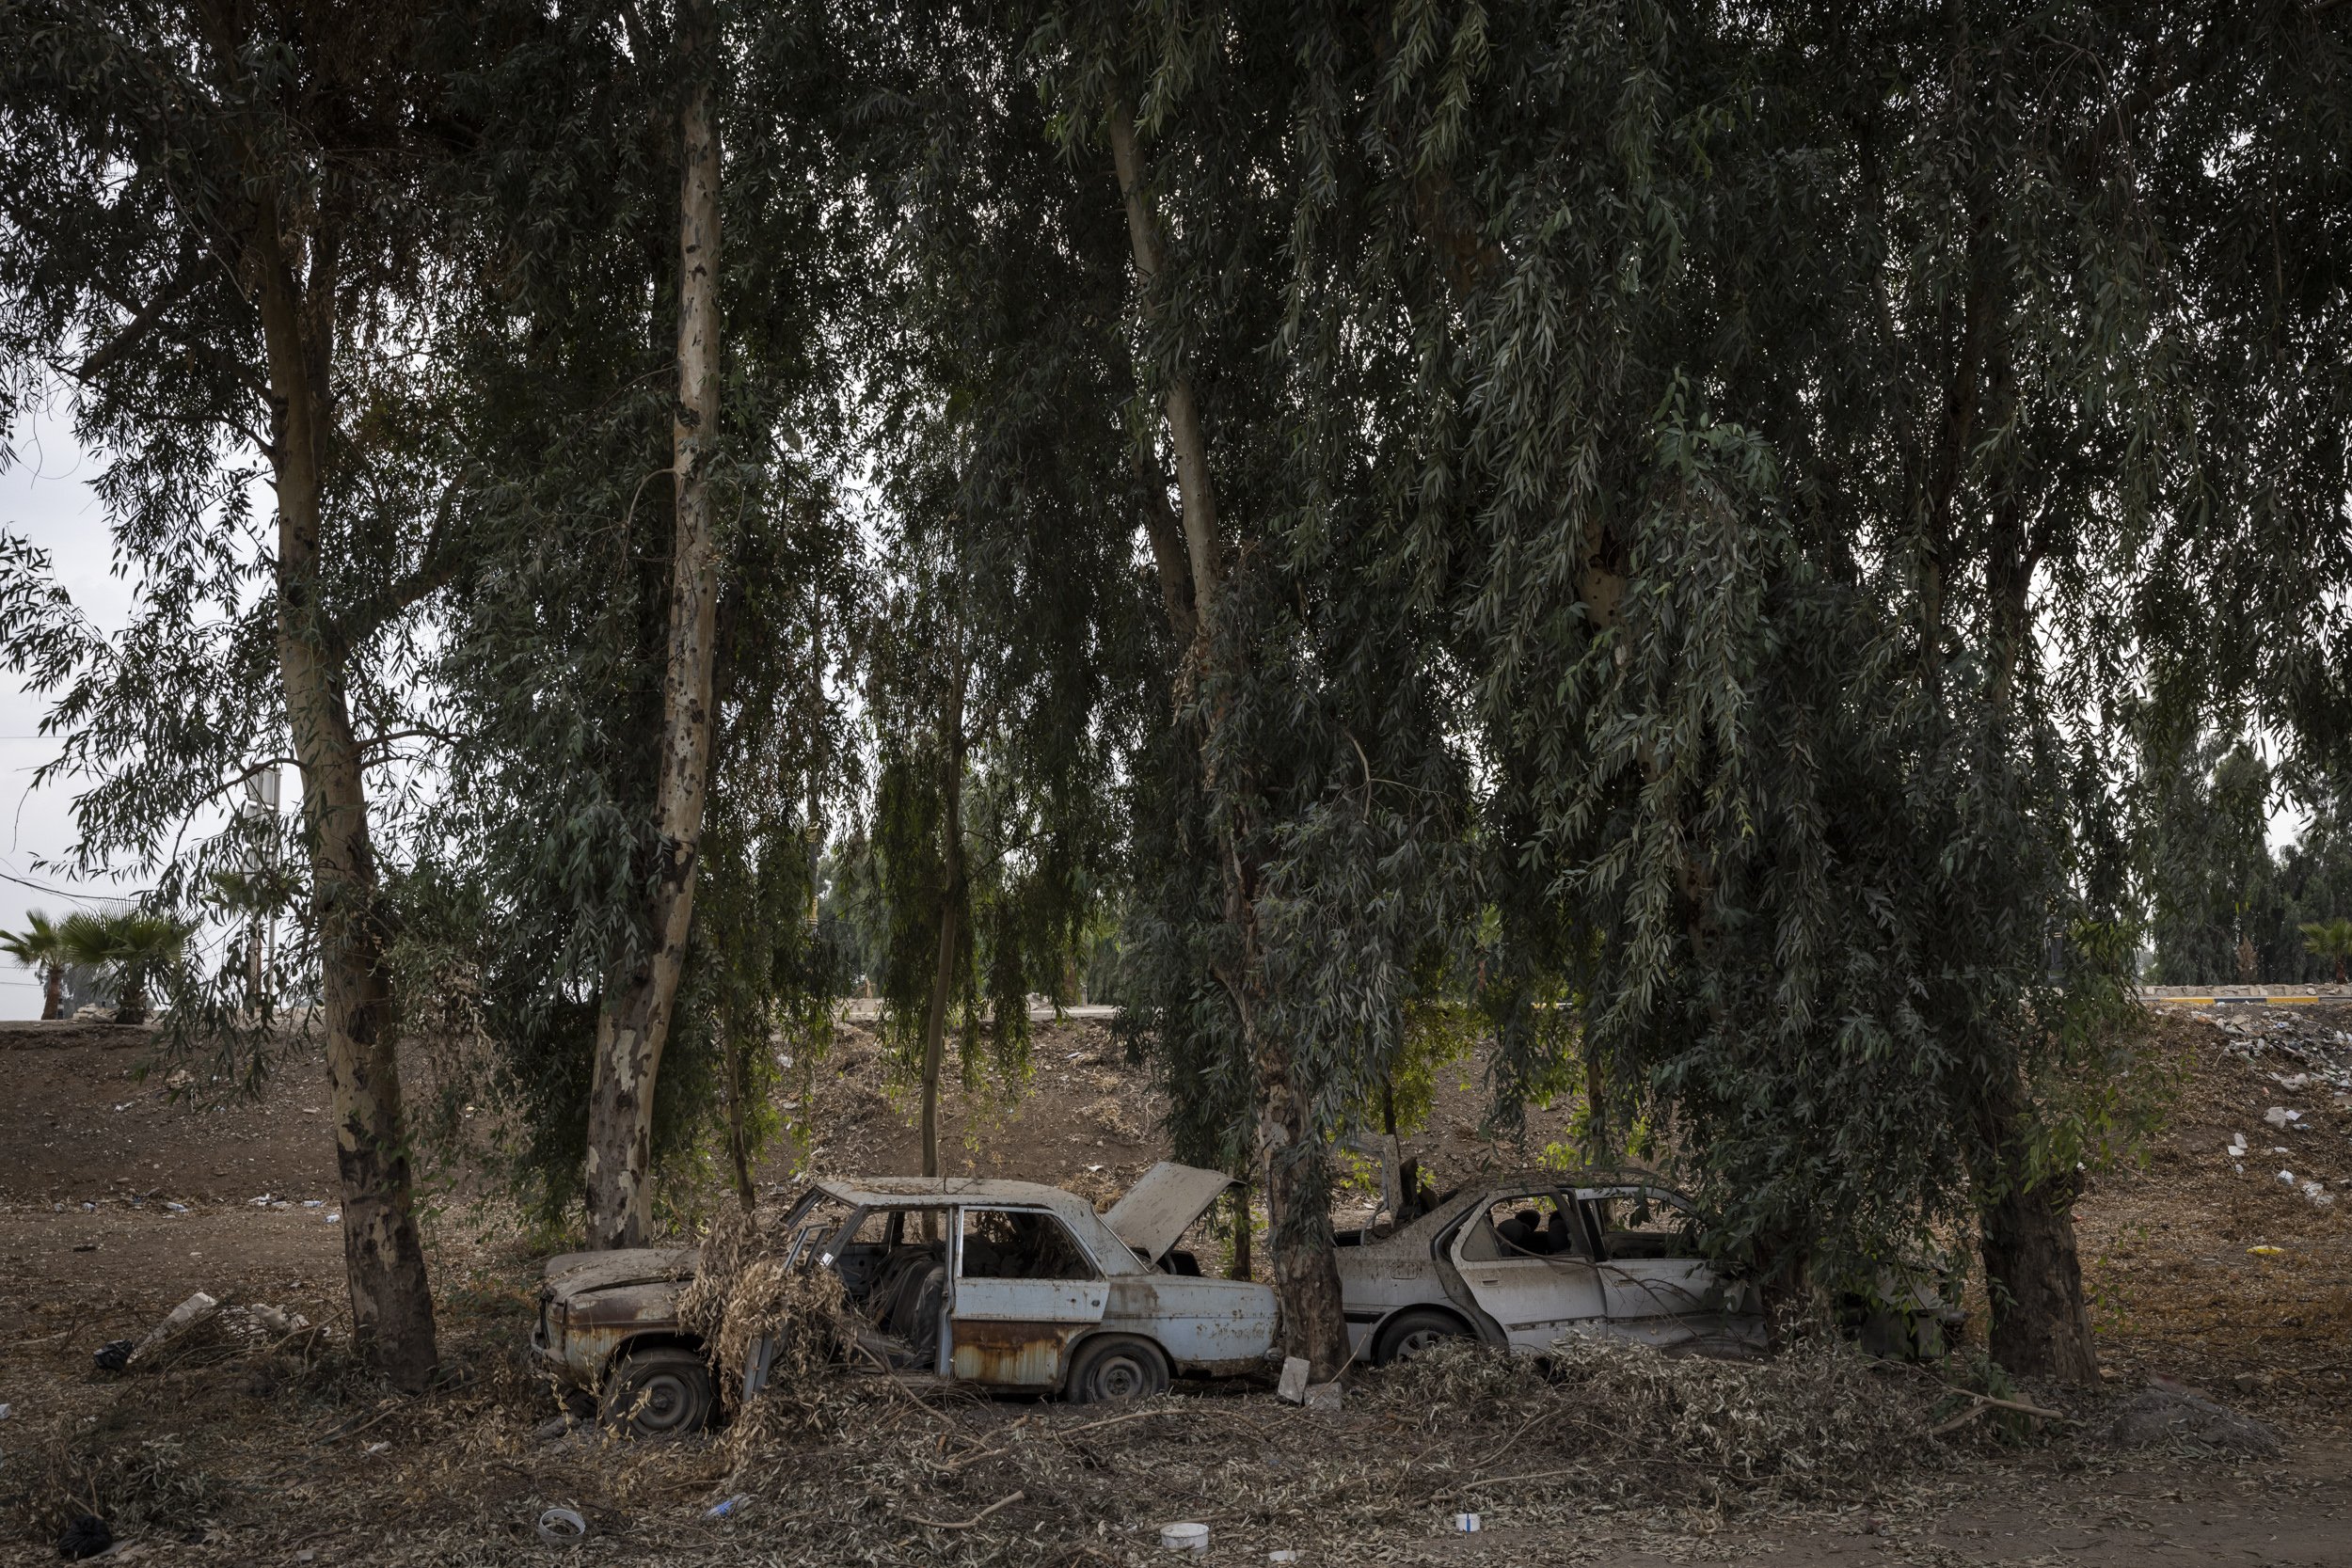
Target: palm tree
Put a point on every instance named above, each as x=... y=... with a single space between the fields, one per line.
x=130 y=950
x=37 y=946
x=2329 y=939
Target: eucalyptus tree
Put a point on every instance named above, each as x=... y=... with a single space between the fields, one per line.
x=221 y=252
x=1301 y=842
x=1765 y=422
x=561 y=884
x=1006 y=654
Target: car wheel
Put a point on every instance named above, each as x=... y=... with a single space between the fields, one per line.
x=1409 y=1333
x=658 y=1393
x=1117 y=1368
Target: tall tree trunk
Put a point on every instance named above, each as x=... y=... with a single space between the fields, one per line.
x=2025 y=1234
x=53 y=990
x=1241 y=1267
x=391 y=1301
x=950 y=913
x=634 y=1025
x=2040 y=1317
x=1306 y=1274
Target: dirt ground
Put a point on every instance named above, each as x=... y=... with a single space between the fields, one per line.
x=119 y=1196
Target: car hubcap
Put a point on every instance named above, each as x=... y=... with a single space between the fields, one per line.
x=660 y=1404
x=1419 y=1341
x=1119 y=1380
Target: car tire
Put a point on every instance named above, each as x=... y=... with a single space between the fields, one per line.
x=662 y=1392
x=1410 y=1333
x=1113 y=1366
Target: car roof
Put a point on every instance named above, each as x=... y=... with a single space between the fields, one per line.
x=908 y=1192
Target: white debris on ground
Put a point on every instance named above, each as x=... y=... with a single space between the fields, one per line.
x=2304 y=1055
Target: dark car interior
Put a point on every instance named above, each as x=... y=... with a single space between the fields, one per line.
x=895 y=1270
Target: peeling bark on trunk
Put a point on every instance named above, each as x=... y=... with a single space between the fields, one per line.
x=52 y=991
x=634 y=1025
x=391 y=1301
x=1306 y=1274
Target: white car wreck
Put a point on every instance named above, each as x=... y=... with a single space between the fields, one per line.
x=1008 y=1285
x=1519 y=1261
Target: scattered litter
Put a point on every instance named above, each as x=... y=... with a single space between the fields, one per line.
x=2266 y=1251
x=2318 y=1194
x=335 y=1218
x=1281 y=1554
x=2177 y=1416
x=2292 y=1080
x=275 y=1320
x=562 y=1527
x=1292 y=1386
x=85 y=1536
x=6 y=1411
x=89 y=1207
x=2280 y=1118
x=385 y=1447
x=2287 y=1176
x=314 y=1203
x=1325 y=1396
x=86 y=1246
x=1465 y=1523
x=177 y=1321
x=1184 y=1537
x=177 y=1208
x=114 y=1354
x=726 y=1508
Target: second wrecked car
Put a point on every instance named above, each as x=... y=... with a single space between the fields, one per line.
x=1519 y=1261
x=1009 y=1285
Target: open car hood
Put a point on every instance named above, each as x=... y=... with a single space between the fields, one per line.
x=1162 y=1205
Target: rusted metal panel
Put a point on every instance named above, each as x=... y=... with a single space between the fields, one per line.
x=1206 y=1325
x=1161 y=1206
x=1013 y=1354
x=590 y=1308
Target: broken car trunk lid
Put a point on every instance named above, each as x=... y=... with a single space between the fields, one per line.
x=1162 y=1205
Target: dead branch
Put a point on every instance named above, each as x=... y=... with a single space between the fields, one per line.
x=998 y=1506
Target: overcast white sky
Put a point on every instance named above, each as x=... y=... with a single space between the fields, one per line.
x=46 y=497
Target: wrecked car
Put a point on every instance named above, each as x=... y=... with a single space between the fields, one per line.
x=1002 y=1285
x=1519 y=1261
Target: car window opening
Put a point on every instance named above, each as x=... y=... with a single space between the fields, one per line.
x=1644 y=1225
x=1020 y=1244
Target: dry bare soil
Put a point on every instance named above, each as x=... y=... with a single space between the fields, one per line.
x=120 y=1195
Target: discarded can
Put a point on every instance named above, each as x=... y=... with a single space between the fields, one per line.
x=562 y=1527
x=1184 y=1537
x=1465 y=1523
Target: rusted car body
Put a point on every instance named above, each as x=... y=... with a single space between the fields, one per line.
x=1520 y=1261
x=1008 y=1285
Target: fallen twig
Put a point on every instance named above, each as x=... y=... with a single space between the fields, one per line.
x=1986 y=1401
x=998 y=1506
x=1111 y=1422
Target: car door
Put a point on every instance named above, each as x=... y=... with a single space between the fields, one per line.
x=1660 y=1288
x=1528 y=1264
x=1024 y=1290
